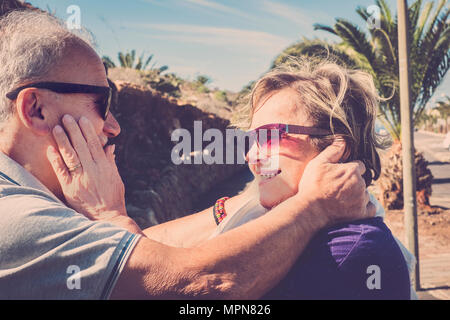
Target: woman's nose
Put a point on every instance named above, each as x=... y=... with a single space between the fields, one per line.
x=256 y=154
x=252 y=155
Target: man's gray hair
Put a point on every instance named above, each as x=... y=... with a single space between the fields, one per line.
x=31 y=43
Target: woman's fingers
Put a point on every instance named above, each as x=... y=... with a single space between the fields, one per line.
x=68 y=153
x=93 y=142
x=58 y=166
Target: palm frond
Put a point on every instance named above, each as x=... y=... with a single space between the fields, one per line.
x=385 y=11
x=422 y=22
x=122 y=60
x=354 y=37
x=147 y=62
x=362 y=12
x=318 y=26
x=108 y=62
x=316 y=49
x=376 y=51
x=139 y=64
x=414 y=13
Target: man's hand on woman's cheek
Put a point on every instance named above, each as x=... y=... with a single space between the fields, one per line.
x=335 y=191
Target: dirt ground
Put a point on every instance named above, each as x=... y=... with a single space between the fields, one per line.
x=434 y=251
x=434 y=230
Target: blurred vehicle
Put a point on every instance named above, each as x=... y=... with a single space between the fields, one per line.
x=446 y=143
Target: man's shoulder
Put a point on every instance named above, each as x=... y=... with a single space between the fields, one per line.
x=9 y=187
x=16 y=200
x=40 y=238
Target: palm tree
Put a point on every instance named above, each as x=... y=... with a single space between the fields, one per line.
x=128 y=60
x=377 y=50
x=443 y=107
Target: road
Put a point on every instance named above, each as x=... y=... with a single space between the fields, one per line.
x=439 y=164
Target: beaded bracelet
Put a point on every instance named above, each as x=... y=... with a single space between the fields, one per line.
x=219 y=210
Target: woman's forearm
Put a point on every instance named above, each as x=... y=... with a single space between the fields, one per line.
x=184 y=232
x=192 y=230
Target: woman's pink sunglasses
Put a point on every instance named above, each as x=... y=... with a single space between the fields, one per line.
x=268 y=137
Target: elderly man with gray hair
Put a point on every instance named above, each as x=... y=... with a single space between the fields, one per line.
x=51 y=78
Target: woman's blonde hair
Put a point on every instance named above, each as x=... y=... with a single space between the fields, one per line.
x=333 y=97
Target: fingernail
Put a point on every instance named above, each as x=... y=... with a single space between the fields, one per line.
x=68 y=118
x=58 y=129
x=83 y=120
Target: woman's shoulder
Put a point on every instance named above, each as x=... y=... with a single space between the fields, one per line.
x=354 y=260
x=366 y=259
x=368 y=236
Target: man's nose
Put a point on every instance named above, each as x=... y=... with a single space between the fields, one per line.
x=111 y=127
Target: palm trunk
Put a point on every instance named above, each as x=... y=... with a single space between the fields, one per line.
x=390 y=182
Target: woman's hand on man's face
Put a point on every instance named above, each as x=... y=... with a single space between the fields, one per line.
x=335 y=191
x=87 y=173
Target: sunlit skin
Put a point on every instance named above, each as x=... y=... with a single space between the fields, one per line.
x=295 y=151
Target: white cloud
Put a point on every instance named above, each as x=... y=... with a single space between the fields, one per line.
x=218 y=7
x=228 y=38
x=292 y=14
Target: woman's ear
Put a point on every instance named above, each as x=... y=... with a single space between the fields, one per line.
x=31 y=111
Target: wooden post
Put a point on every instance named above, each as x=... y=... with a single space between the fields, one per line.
x=407 y=136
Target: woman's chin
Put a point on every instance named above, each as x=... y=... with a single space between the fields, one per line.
x=270 y=198
x=269 y=201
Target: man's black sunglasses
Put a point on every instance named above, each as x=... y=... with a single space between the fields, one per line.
x=62 y=87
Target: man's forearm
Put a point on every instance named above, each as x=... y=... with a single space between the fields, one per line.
x=248 y=261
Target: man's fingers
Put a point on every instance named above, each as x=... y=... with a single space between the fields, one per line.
x=333 y=153
x=361 y=167
x=69 y=155
x=354 y=167
x=58 y=165
x=109 y=152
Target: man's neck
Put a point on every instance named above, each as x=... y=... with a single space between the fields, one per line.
x=31 y=156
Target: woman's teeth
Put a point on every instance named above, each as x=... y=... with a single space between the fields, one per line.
x=270 y=174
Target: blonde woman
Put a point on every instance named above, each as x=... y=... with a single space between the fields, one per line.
x=295 y=113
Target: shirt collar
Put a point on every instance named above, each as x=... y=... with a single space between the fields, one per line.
x=17 y=174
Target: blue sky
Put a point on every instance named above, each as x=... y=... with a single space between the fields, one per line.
x=231 y=41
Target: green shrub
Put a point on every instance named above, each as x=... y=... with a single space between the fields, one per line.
x=221 y=96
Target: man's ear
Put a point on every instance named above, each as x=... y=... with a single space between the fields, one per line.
x=31 y=111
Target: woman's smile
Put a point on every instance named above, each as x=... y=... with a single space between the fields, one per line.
x=267 y=176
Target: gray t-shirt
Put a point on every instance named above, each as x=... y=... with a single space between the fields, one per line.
x=49 y=251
